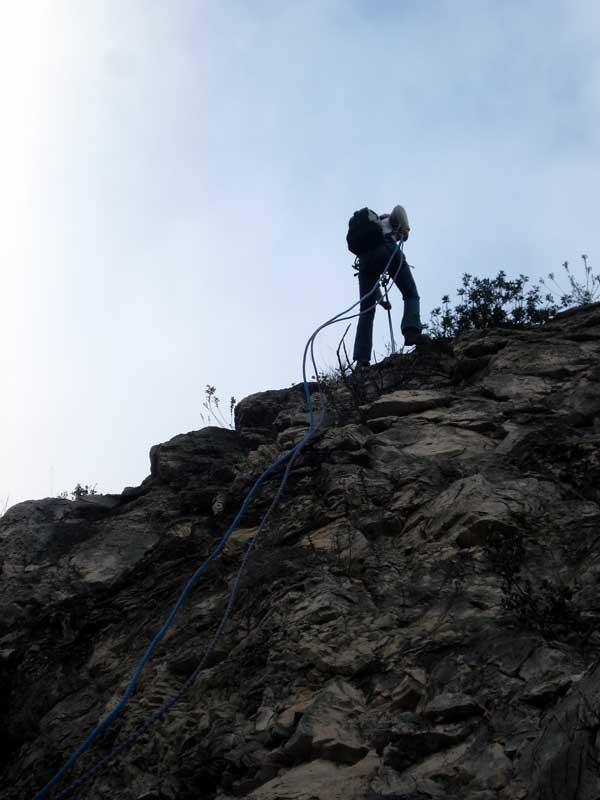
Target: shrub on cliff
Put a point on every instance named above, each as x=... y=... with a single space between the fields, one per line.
x=502 y=303
x=79 y=492
x=491 y=303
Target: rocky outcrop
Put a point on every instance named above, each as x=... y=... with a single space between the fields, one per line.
x=419 y=619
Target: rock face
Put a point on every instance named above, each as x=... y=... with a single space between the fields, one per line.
x=419 y=620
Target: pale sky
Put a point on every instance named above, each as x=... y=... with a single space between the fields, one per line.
x=177 y=178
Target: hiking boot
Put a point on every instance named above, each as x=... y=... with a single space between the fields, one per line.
x=412 y=336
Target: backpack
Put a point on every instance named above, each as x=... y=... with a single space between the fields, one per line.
x=364 y=232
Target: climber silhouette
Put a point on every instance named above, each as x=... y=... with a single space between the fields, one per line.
x=373 y=238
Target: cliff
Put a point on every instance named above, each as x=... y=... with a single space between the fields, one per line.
x=418 y=620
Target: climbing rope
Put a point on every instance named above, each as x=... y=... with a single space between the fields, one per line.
x=389 y=313
x=289 y=457
x=150 y=721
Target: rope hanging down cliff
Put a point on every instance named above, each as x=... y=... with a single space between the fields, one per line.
x=288 y=457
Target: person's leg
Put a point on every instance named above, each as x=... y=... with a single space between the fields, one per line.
x=363 y=343
x=411 y=320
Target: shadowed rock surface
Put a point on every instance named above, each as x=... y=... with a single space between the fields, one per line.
x=418 y=621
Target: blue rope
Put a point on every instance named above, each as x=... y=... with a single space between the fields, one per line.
x=290 y=456
x=103 y=725
x=134 y=737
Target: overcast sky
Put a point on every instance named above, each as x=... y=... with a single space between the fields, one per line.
x=177 y=177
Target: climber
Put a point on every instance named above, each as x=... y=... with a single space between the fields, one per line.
x=372 y=238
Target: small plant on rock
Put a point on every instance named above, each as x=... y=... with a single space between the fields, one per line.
x=581 y=292
x=212 y=404
x=79 y=492
x=538 y=603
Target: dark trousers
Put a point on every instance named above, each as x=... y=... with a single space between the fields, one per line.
x=371 y=267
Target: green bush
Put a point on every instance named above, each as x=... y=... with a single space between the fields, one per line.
x=502 y=303
x=79 y=491
x=491 y=303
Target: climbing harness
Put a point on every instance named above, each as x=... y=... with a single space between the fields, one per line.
x=290 y=457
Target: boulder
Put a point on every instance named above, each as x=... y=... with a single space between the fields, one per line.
x=329 y=727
